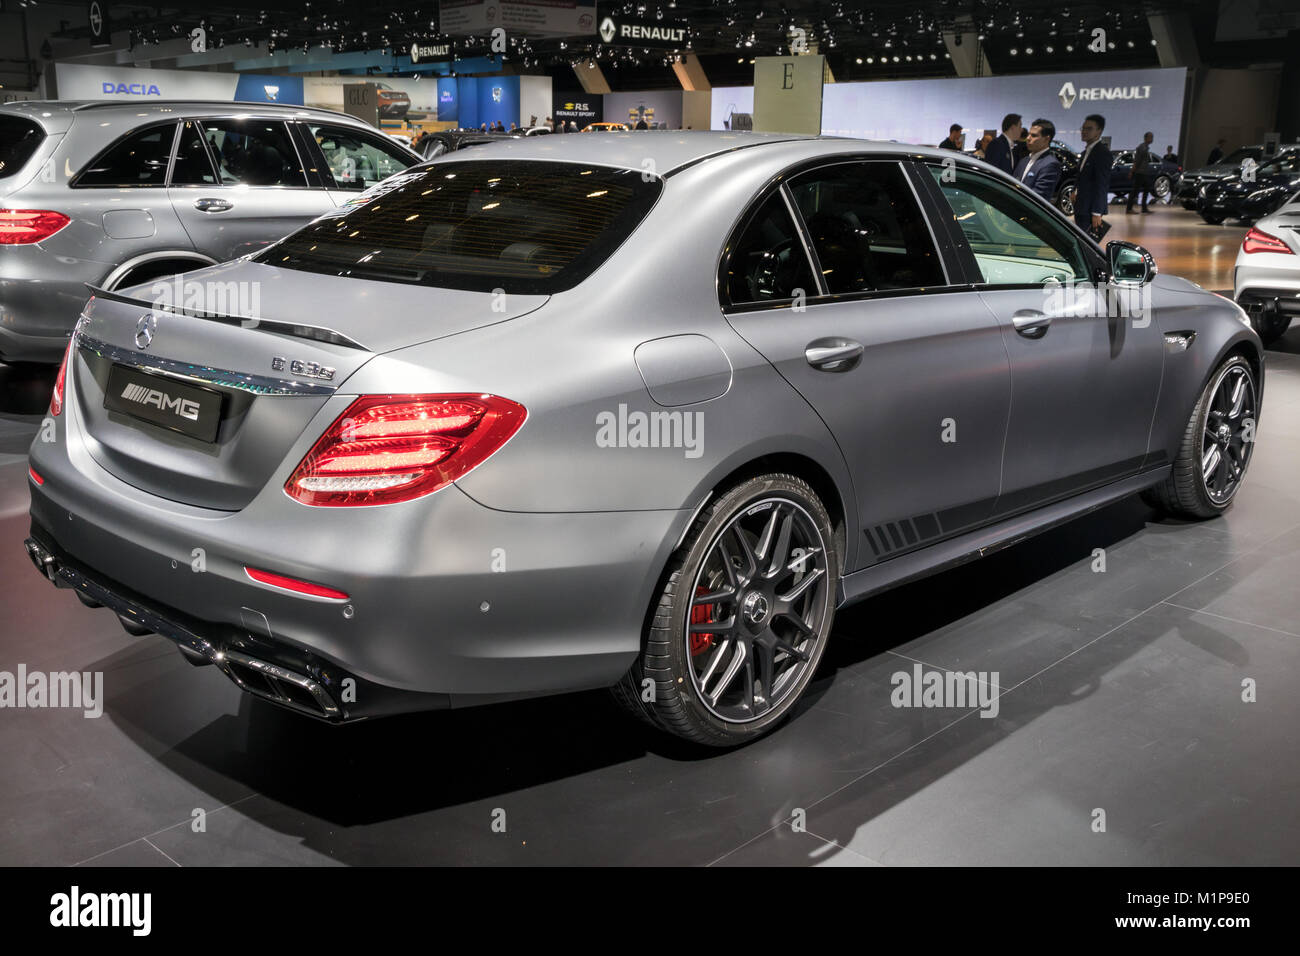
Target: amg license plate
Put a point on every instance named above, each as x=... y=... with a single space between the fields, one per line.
x=165 y=402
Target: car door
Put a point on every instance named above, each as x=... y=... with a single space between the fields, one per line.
x=353 y=160
x=253 y=190
x=1086 y=357
x=837 y=279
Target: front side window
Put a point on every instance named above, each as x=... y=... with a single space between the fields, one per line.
x=254 y=153
x=138 y=159
x=866 y=227
x=766 y=261
x=524 y=227
x=356 y=159
x=1014 y=242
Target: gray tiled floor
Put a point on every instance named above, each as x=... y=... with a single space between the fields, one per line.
x=1119 y=692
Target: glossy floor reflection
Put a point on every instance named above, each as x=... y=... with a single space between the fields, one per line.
x=1120 y=695
x=1183 y=243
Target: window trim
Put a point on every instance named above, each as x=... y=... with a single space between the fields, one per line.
x=76 y=183
x=947 y=260
x=207 y=151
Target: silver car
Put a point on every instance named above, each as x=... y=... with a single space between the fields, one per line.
x=114 y=194
x=1266 y=277
x=620 y=411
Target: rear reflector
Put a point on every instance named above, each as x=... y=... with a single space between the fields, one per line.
x=1257 y=240
x=31 y=473
x=389 y=448
x=293 y=584
x=56 y=397
x=22 y=226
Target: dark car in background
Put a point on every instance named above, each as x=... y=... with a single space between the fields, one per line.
x=1268 y=189
x=1189 y=187
x=450 y=140
x=1164 y=175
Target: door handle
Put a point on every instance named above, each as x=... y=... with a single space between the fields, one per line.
x=833 y=355
x=212 y=205
x=1031 y=323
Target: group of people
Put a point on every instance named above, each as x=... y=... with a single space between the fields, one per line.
x=1024 y=154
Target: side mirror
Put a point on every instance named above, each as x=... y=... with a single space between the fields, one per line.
x=1130 y=264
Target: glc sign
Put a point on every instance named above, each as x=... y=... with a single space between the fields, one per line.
x=628 y=31
x=1093 y=94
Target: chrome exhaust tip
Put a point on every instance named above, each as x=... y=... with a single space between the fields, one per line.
x=284 y=687
x=42 y=560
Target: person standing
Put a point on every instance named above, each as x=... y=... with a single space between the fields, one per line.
x=1170 y=156
x=954 y=138
x=1040 y=170
x=1216 y=154
x=1092 y=187
x=1002 y=149
x=1141 y=173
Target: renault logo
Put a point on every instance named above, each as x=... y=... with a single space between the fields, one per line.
x=1067 y=94
x=144 y=330
x=607 y=29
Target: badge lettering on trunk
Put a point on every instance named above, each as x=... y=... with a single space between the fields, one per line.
x=305 y=369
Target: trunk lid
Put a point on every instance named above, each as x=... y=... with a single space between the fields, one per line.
x=256 y=352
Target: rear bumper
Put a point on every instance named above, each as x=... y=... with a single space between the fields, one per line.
x=1267 y=282
x=445 y=597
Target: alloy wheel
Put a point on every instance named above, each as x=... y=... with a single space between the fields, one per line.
x=760 y=605
x=1228 y=437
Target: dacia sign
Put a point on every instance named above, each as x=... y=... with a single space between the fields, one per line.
x=1095 y=94
x=131 y=89
x=629 y=31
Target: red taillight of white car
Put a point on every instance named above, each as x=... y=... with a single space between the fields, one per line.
x=24 y=226
x=1259 y=241
x=389 y=448
x=56 y=397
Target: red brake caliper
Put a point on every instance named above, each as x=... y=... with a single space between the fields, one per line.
x=701 y=614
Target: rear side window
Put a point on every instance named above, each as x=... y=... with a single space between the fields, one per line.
x=524 y=227
x=192 y=167
x=254 y=153
x=867 y=228
x=137 y=159
x=19 y=140
x=766 y=261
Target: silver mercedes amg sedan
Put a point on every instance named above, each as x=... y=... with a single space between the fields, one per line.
x=633 y=411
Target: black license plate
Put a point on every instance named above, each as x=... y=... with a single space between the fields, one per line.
x=165 y=402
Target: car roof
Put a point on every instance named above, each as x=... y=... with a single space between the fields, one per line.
x=56 y=115
x=666 y=151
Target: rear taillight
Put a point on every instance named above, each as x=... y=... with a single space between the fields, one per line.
x=21 y=226
x=293 y=584
x=389 y=448
x=34 y=475
x=1259 y=241
x=56 y=398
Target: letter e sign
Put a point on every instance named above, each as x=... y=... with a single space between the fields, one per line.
x=787 y=82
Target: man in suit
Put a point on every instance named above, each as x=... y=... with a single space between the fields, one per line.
x=1216 y=154
x=954 y=138
x=999 y=151
x=1141 y=173
x=1040 y=170
x=1092 y=188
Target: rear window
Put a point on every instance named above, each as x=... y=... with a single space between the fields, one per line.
x=19 y=140
x=524 y=227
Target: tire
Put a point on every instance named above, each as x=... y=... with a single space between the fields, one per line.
x=1213 y=218
x=1271 y=326
x=1187 y=493
x=739 y=706
x=1063 y=200
x=1162 y=188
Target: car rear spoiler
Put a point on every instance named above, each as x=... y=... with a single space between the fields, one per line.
x=317 y=333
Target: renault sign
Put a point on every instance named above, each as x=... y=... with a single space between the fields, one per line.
x=617 y=30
